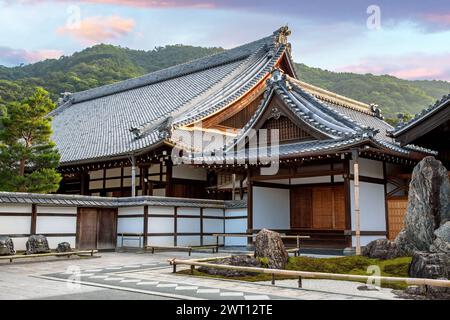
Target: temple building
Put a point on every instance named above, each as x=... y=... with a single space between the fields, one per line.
x=336 y=160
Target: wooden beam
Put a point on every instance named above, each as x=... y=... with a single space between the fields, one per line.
x=145 y=229
x=33 y=219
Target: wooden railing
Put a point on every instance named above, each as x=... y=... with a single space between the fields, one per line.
x=309 y=275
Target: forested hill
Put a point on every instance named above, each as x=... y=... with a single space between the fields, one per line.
x=104 y=64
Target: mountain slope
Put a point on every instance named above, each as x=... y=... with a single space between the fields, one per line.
x=104 y=64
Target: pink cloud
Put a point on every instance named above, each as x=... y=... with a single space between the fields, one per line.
x=442 y=19
x=98 y=29
x=412 y=66
x=10 y=56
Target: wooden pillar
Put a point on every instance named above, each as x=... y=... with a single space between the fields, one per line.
x=121 y=180
x=357 y=206
x=249 y=203
x=201 y=227
x=84 y=183
x=386 y=207
x=175 y=226
x=145 y=231
x=169 y=186
x=233 y=187
x=33 y=219
x=133 y=176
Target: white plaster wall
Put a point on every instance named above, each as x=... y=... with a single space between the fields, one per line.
x=188 y=241
x=188 y=211
x=213 y=226
x=236 y=226
x=368 y=168
x=15 y=225
x=213 y=212
x=210 y=240
x=20 y=244
x=58 y=210
x=130 y=225
x=54 y=241
x=127 y=211
x=160 y=241
x=56 y=224
x=190 y=173
x=161 y=211
x=271 y=208
x=372 y=204
x=188 y=225
x=16 y=208
x=160 y=225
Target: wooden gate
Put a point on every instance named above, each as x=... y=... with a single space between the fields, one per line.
x=96 y=228
x=396 y=212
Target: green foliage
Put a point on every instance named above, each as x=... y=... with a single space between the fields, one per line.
x=28 y=158
x=264 y=262
x=393 y=95
x=105 y=64
x=356 y=265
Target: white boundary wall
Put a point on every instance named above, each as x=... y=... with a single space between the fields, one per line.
x=58 y=224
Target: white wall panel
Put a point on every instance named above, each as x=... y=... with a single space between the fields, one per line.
x=240 y=212
x=58 y=210
x=127 y=211
x=213 y=226
x=20 y=244
x=160 y=225
x=188 y=241
x=56 y=224
x=15 y=225
x=210 y=240
x=368 y=168
x=189 y=211
x=54 y=241
x=185 y=225
x=161 y=211
x=130 y=225
x=16 y=208
x=235 y=226
x=372 y=204
x=161 y=241
x=271 y=208
x=213 y=212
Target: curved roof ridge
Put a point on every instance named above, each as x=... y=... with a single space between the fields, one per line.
x=196 y=65
x=333 y=97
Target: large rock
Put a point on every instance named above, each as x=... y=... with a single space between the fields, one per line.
x=382 y=249
x=428 y=206
x=37 y=244
x=63 y=247
x=442 y=241
x=242 y=261
x=6 y=246
x=429 y=265
x=269 y=246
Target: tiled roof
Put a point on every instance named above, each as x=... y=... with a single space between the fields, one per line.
x=424 y=114
x=343 y=122
x=96 y=124
x=92 y=201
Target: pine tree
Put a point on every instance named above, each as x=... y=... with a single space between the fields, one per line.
x=28 y=157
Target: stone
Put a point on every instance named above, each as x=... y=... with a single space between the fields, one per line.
x=429 y=265
x=37 y=244
x=428 y=206
x=63 y=247
x=268 y=245
x=442 y=241
x=6 y=246
x=382 y=249
x=242 y=261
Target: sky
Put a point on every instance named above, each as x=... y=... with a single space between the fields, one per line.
x=409 y=39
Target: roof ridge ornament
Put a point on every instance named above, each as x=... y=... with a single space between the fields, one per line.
x=282 y=34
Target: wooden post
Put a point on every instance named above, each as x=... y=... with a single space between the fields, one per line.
x=233 y=188
x=145 y=231
x=33 y=219
x=357 y=206
x=133 y=176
